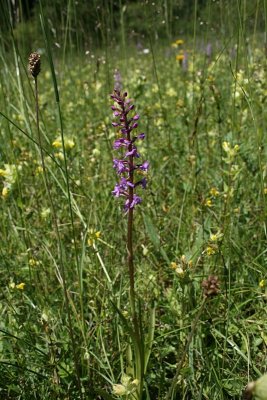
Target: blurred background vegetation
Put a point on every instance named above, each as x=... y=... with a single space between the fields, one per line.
x=86 y=24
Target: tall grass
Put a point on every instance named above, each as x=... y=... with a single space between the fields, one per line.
x=65 y=328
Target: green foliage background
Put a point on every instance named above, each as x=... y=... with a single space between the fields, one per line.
x=204 y=212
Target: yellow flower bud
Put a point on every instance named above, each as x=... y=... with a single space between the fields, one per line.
x=20 y=286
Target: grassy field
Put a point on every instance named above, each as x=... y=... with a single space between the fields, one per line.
x=192 y=325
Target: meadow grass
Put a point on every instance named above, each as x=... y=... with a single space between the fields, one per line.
x=66 y=323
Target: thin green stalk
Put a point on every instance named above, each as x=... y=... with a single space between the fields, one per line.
x=66 y=172
x=54 y=216
x=163 y=110
x=172 y=388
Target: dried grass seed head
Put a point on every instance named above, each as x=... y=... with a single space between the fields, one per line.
x=34 y=64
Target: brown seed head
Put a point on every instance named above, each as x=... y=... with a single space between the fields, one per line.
x=211 y=286
x=34 y=64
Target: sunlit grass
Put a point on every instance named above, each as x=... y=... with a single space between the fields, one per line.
x=204 y=213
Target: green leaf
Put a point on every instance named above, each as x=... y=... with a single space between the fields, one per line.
x=151 y=231
x=154 y=237
x=149 y=342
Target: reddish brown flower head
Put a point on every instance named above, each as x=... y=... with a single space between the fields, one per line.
x=211 y=286
x=34 y=64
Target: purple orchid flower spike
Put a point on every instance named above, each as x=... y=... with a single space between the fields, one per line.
x=126 y=167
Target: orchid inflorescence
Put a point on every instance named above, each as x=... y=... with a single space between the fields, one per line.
x=126 y=167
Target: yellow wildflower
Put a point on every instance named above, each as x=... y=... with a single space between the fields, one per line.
x=210 y=250
x=33 y=262
x=179 y=57
x=10 y=173
x=45 y=213
x=90 y=242
x=171 y=92
x=96 y=152
x=208 y=203
x=39 y=170
x=93 y=236
x=57 y=144
x=5 y=191
x=173 y=265
x=214 y=192
x=226 y=146
x=145 y=250
x=183 y=259
x=179 y=42
x=213 y=237
x=179 y=271
x=231 y=151
x=59 y=155
x=262 y=283
x=69 y=144
x=20 y=286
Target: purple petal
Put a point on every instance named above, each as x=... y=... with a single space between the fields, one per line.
x=143 y=183
x=130 y=108
x=134 y=125
x=132 y=153
x=144 y=166
x=121 y=142
x=121 y=166
x=125 y=183
x=136 y=200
